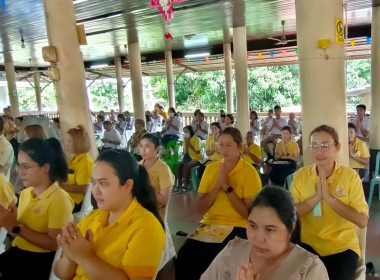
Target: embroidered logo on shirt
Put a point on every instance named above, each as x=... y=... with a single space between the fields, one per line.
x=339 y=191
x=37 y=210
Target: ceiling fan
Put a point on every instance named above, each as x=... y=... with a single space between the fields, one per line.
x=283 y=40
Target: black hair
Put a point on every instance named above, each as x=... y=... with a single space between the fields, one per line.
x=106 y=122
x=152 y=138
x=100 y=117
x=217 y=124
x=121 y=116
x=277 y=107
x=56 y=120
x=200 y=113
x=190 y=129
x=270 y=111
x=280 y=200
x=126 y=167
x=255 y=113
x=288 y=128
x=352 y=125
x=223 y=115
x=362 y=106
x=231 y=117
x=48 y=151
x=234 y=133
x=196 y=111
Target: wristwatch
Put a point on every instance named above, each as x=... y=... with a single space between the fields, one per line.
x=16 y=229
x=229 y=190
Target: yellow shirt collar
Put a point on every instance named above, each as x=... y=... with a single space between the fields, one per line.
x=336 y=172
x=53 y=187
x=75 y=159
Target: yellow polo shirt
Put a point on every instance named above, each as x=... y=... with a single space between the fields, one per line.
x=160 y=177
x=7 y=194
x=80 y=173
x=291 y=147
x=255 y=150
x=49 y=210
x=215 y=156
x=360 y=149
x=196 y=143
x=133 y=244
x=330 y=233
x=246 y=184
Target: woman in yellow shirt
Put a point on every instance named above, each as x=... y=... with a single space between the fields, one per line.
x=226 y=189
x=358 y=151
x=43 y=209
x=77 y=144
x=251 y=152
x=159 y=172
x=331 y=204
x=124 y=238
x=212 y=148
x=192 y=157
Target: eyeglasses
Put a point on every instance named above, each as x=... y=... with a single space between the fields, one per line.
x=22 y=168
x=324 y=146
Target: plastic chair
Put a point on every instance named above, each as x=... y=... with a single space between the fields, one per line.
x=86 y=206
x=171 y=159
x=375 y=180
x=288 y=181
x=361 y=267
x=194 y=178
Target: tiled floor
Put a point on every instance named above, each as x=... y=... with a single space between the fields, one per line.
x=183 y=216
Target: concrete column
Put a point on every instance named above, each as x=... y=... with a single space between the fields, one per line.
x=228 y=70
x=169 y=77
x=72 y=100
x=136 y=80
x=120 y=84
x=241 y=78
x=37 y=89
x=322 y=80
x=12 y=88
x=374 y=137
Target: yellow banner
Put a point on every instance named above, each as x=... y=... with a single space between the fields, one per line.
x=339 y=32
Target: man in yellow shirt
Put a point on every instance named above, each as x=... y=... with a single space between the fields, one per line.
x=359 y=154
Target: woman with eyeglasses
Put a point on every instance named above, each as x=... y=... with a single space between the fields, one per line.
x=43 y=209
x=330 y=201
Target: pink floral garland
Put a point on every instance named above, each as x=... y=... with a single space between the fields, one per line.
x=166 y=9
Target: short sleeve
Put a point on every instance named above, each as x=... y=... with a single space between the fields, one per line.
x=205 y=126
x=144 y=251
x=166 y=178
x=196 y=142
x=356 y=197
x=295 y=187
x=278 y=148
x=60 y=210
x=295 y=148
x=364 y=153
x=83 y=176
x=208 y=143
x=177 y=122
x=316 y=271
x=206 y=181
x=7 y=195
x=255 y=150
x=252 y=185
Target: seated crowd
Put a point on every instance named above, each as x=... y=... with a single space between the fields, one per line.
x=306 y=232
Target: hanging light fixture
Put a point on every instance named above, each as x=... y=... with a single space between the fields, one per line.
x=22 y=42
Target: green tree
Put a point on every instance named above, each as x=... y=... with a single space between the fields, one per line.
x=103 y=95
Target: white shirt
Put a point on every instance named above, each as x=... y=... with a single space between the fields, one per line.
x=266 y=122
x=254 y=127
x=112 y=135
x=365 y=124
x=170 y=130
x=276 y=131
x=204 y=126
x=294 y=127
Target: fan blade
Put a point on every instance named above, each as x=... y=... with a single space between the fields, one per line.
x=292 y=40
x=270 y=38
x=280 y=43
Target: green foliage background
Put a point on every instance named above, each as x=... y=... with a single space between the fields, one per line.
x=267 y=86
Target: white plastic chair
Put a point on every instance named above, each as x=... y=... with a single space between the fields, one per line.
x=169 y=250
x=361 y=267
x=86 y=206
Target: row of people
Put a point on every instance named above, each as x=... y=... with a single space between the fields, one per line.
x=100 y=246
